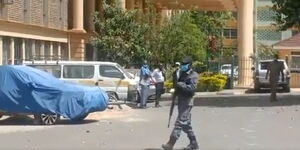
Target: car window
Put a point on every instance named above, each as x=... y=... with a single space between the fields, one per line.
x=264 y=65
x=226 y=67
x=72 y=71
x=55 y=70
x=110 y=71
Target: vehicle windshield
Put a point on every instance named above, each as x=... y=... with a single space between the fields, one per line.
x=55 y=70
x=226 y=67
x=264 y=65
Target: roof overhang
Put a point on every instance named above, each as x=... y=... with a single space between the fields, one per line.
x=205 y=5
x=286 y=47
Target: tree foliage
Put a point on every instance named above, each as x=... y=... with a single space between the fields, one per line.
x=131 y=36
x=265 y=52
x=287 y=13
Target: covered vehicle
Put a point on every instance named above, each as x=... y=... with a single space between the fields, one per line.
x=28 y=90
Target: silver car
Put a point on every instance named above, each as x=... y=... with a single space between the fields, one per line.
x=260 y=72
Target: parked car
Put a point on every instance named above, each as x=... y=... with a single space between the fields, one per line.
x=226 y=69
x=26 y=90
x=110 y=76
x=260 y=73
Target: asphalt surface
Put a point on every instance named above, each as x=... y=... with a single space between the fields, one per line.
x=218 y=127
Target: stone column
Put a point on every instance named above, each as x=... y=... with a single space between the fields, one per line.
x=1 y=50
x=51 y=51
x=78 y=16
x=90 y=15
x=23 y=50
x=33 y=54
x=42 y=50
x=245 y=42
x=12 y=51
x=59 y=51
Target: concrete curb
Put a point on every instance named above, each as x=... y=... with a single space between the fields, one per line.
x=242 y=100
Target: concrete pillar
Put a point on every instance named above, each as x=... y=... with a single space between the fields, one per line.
x=90 y=17
x=58 y=51
x=33 y=53
x=130 y=4
x=23 y=50
x=245 y=42
x=12 y=51
x=1 y=50
x=51 y=51
x=42 y=50
x=78 y=16
x=122 y=4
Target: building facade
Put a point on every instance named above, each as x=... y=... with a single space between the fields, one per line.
x=54 y=29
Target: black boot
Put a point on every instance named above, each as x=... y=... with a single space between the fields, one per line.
x=170 y=144
x=193 y=144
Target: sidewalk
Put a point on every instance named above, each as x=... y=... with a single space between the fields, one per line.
x=241 y=98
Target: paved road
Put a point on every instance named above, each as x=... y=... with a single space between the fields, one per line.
x=218 y=128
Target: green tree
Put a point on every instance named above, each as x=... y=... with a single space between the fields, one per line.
x=119 y=37
x=181 y=37
x=265 y=52
x=287 y=13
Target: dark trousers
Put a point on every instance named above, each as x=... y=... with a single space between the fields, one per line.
x=159 y=87
x=273 y=85
x=183 y=122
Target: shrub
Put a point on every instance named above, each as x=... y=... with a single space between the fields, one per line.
x=211 y=82
x=168 y=84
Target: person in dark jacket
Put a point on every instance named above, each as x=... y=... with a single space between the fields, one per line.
x=275 y=69
x=185 y=89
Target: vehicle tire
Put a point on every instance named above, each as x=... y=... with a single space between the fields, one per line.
x=46 y=119
x=112 y=97
x=256 y=87
x=286 y=88
x=81 y=117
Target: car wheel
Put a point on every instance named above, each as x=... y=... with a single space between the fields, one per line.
x=286 y=88
x=81 y=117
x=256 y=87
x=112 y=97
x=46 y=119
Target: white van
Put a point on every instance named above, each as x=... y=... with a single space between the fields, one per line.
x=108 y=75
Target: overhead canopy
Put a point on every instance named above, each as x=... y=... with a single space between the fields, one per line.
x=206 y=5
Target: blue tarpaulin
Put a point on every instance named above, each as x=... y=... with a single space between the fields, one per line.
x=27 y=90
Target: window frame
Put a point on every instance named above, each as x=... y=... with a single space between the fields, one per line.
x=103 y=75
x=77 y=77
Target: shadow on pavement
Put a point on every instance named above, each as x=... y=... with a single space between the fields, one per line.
x=26 y=120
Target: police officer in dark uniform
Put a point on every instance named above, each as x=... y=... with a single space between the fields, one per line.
x=275 y=68
x=184 y=90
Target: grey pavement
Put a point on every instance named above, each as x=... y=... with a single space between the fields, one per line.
x=218 y=127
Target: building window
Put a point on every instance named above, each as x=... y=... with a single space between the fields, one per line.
x=269 y=35
x=47 y=51
x=18 y=51
x=28 y=49
x=64 y=51
x=230 y=33
x=37 y=54
x=55 y=50
x=295 y=62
